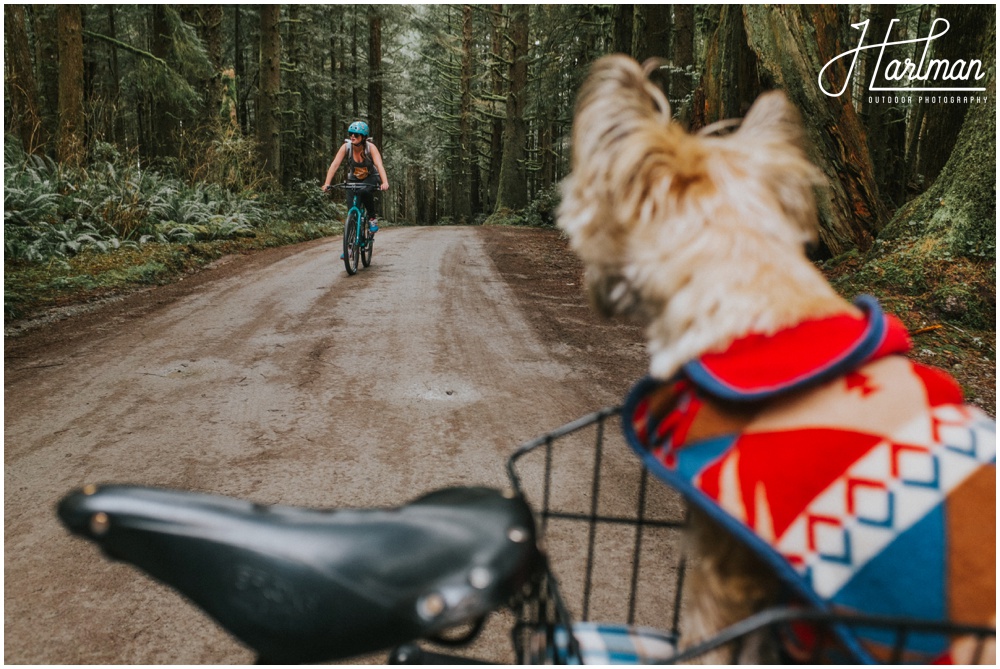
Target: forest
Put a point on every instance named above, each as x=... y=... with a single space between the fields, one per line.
x=164 y=132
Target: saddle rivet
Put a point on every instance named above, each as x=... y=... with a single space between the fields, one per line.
x=480 y=578
x=431 y=606
x=100 y=523
x=517 y=534
x=89 y=489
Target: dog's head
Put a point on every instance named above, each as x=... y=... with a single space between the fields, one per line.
x=644 y=197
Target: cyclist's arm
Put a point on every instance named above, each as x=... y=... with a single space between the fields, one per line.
x=330 y=173
x=377 y=159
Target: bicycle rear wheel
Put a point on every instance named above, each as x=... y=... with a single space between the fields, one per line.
x=367 y=246
x=352 y=238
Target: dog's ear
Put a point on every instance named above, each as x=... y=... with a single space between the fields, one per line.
x=617 y=110
x=773 y=117
x=773 y=140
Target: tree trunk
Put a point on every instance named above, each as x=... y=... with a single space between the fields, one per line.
x=462 y=174
x=292 y=125
x=652 y=38
x=268 y=119
x=336 y=134
x=70 y=148
x=45 y=22
x=117 y=122
x=958 y=211
x=375 y=74
x=25 y=119
x=547 y=173
x=496 y=120
x=240 y=68
x=885 y=123
x=355 y=103
x=210 y=30
x=411 y=188
x=730 y=81
x=681 y=84
x=512 y=194
x=622 y=23
x=164 y=135
x=968 y=24
x=791 y=44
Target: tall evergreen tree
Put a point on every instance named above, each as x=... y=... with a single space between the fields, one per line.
x=375 y=75
x=23 y=118
x=70 y=147
x=268 y=122
x=512 y=191
x=45 y=24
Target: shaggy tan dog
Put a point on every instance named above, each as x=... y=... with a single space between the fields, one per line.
x=649 y=208
x=702 y=238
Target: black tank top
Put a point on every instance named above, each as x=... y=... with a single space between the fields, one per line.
x=364 y=170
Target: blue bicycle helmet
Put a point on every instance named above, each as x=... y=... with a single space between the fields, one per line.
x=358 y=127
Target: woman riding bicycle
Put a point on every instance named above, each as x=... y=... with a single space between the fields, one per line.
x=364 y=165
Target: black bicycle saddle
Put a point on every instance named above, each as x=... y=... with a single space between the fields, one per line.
x=306 y=585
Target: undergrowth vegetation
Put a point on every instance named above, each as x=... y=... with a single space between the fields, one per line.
x=923 y=272
x=946 y=301
x=71 y=234
x=540 y=212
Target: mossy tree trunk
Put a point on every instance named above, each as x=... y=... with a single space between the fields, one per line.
x=969 y=22
x=792 y=44
x=758 y=48
x=957 y=214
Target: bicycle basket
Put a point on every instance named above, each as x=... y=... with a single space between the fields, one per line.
x=614 y=540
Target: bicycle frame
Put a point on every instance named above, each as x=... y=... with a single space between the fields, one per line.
x=358 y=240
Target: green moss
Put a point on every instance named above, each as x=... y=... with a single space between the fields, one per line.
x=924 y=277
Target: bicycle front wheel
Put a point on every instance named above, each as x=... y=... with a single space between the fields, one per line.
x=352 y=239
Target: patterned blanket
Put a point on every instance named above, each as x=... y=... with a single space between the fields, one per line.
x=857 y=474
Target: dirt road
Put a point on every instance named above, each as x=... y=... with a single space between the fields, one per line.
x=280 y=379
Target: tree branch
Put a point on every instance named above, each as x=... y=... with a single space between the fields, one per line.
x=126 y=47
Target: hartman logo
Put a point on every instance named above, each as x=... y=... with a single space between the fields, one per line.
x=927 y=76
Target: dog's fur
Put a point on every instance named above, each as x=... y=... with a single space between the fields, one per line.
x=701 y=237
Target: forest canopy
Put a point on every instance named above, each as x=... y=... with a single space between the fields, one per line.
x=471 y=105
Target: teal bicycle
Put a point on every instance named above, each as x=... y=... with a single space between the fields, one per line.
x=358 y=239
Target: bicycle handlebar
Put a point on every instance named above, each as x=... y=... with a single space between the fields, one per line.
x=349 y=185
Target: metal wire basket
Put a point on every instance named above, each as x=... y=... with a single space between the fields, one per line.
x=614 y=540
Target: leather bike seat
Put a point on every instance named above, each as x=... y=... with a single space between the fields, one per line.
x=306 y=585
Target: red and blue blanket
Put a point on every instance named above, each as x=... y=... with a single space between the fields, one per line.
x=858 y=474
